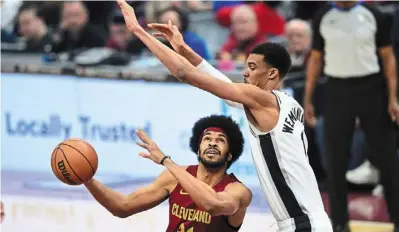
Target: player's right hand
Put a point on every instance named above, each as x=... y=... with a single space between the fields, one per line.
x=310 y=118
x=129 y=15
x=169 y=32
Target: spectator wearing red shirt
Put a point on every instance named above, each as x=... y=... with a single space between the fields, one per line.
x=271 y=23
x=245 y=34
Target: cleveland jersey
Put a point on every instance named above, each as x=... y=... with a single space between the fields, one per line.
x=186 y=216
x=284 y=172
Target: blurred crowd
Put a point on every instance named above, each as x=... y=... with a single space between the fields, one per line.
x=55 y=26
x=73 y=26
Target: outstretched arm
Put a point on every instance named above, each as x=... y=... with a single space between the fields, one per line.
x=175 y=38
x=126 y=205
x=181 y=69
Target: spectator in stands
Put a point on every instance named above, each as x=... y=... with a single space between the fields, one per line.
x=271 y=22
x=49 y=11
x=75 y=30
x=34 y=30
x=121 y=39
x=181 y=20
x=350 y=36
x=198 y=5
x=153 y=7
x=2 y=214
x=299 y=36
x=245 y=34
x=217 y=5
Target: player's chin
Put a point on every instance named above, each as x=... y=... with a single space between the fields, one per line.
x=213 y=163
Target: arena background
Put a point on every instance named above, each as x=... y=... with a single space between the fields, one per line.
x=45 y=101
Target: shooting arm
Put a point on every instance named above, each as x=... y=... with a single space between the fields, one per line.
x=142 y=199
x=203 y=195
x=186 y=72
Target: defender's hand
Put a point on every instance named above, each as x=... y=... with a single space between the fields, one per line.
x=154 y=153
x=130 y=16
x=169 y=32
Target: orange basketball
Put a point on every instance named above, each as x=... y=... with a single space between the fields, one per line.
x=74 y=161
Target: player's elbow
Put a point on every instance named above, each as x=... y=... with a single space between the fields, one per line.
x=121 y=211
x=216 y=209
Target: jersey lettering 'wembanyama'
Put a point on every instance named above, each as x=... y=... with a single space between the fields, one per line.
x=284 y=172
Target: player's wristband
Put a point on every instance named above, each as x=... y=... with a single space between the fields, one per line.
x=164 y=158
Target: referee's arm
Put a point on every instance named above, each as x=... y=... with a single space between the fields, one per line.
x=385 y=49
x=313 y=69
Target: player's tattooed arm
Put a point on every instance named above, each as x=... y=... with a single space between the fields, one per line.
x=142 y=199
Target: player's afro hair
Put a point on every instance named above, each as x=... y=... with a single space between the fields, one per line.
x=231 y=128
x=276 y=55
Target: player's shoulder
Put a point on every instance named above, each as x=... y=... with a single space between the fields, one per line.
x=264 y=98
x=283 y=96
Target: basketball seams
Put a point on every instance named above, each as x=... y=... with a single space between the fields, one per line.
x=70 y=165
x=54 y=157
x=92 y=169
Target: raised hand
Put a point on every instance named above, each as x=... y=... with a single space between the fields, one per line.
x=130 y=16
x=169 y=32
x=154 y=153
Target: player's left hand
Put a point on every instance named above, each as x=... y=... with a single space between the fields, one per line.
x=130 y=16
x=169 y=32
x=154 y=153
x=393 y=110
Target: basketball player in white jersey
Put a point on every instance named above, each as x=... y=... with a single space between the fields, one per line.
x=278 y=142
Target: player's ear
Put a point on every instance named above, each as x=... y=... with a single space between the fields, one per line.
x=272 y=73
x=230 y=157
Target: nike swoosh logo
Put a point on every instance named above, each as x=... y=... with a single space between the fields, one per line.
x=182 y=192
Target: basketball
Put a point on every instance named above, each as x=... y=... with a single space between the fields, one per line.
x=74 y=161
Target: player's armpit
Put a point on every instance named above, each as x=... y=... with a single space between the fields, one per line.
x=235 y=197
x=149 y=196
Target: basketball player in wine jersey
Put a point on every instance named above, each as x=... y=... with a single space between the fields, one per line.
x=278 y=142
x=202 y=197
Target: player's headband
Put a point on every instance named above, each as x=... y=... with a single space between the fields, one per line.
x=214 y=129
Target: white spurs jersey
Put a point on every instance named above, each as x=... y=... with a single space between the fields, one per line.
x=284 y=172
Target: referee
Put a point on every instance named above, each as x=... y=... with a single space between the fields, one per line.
x=351 y=37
